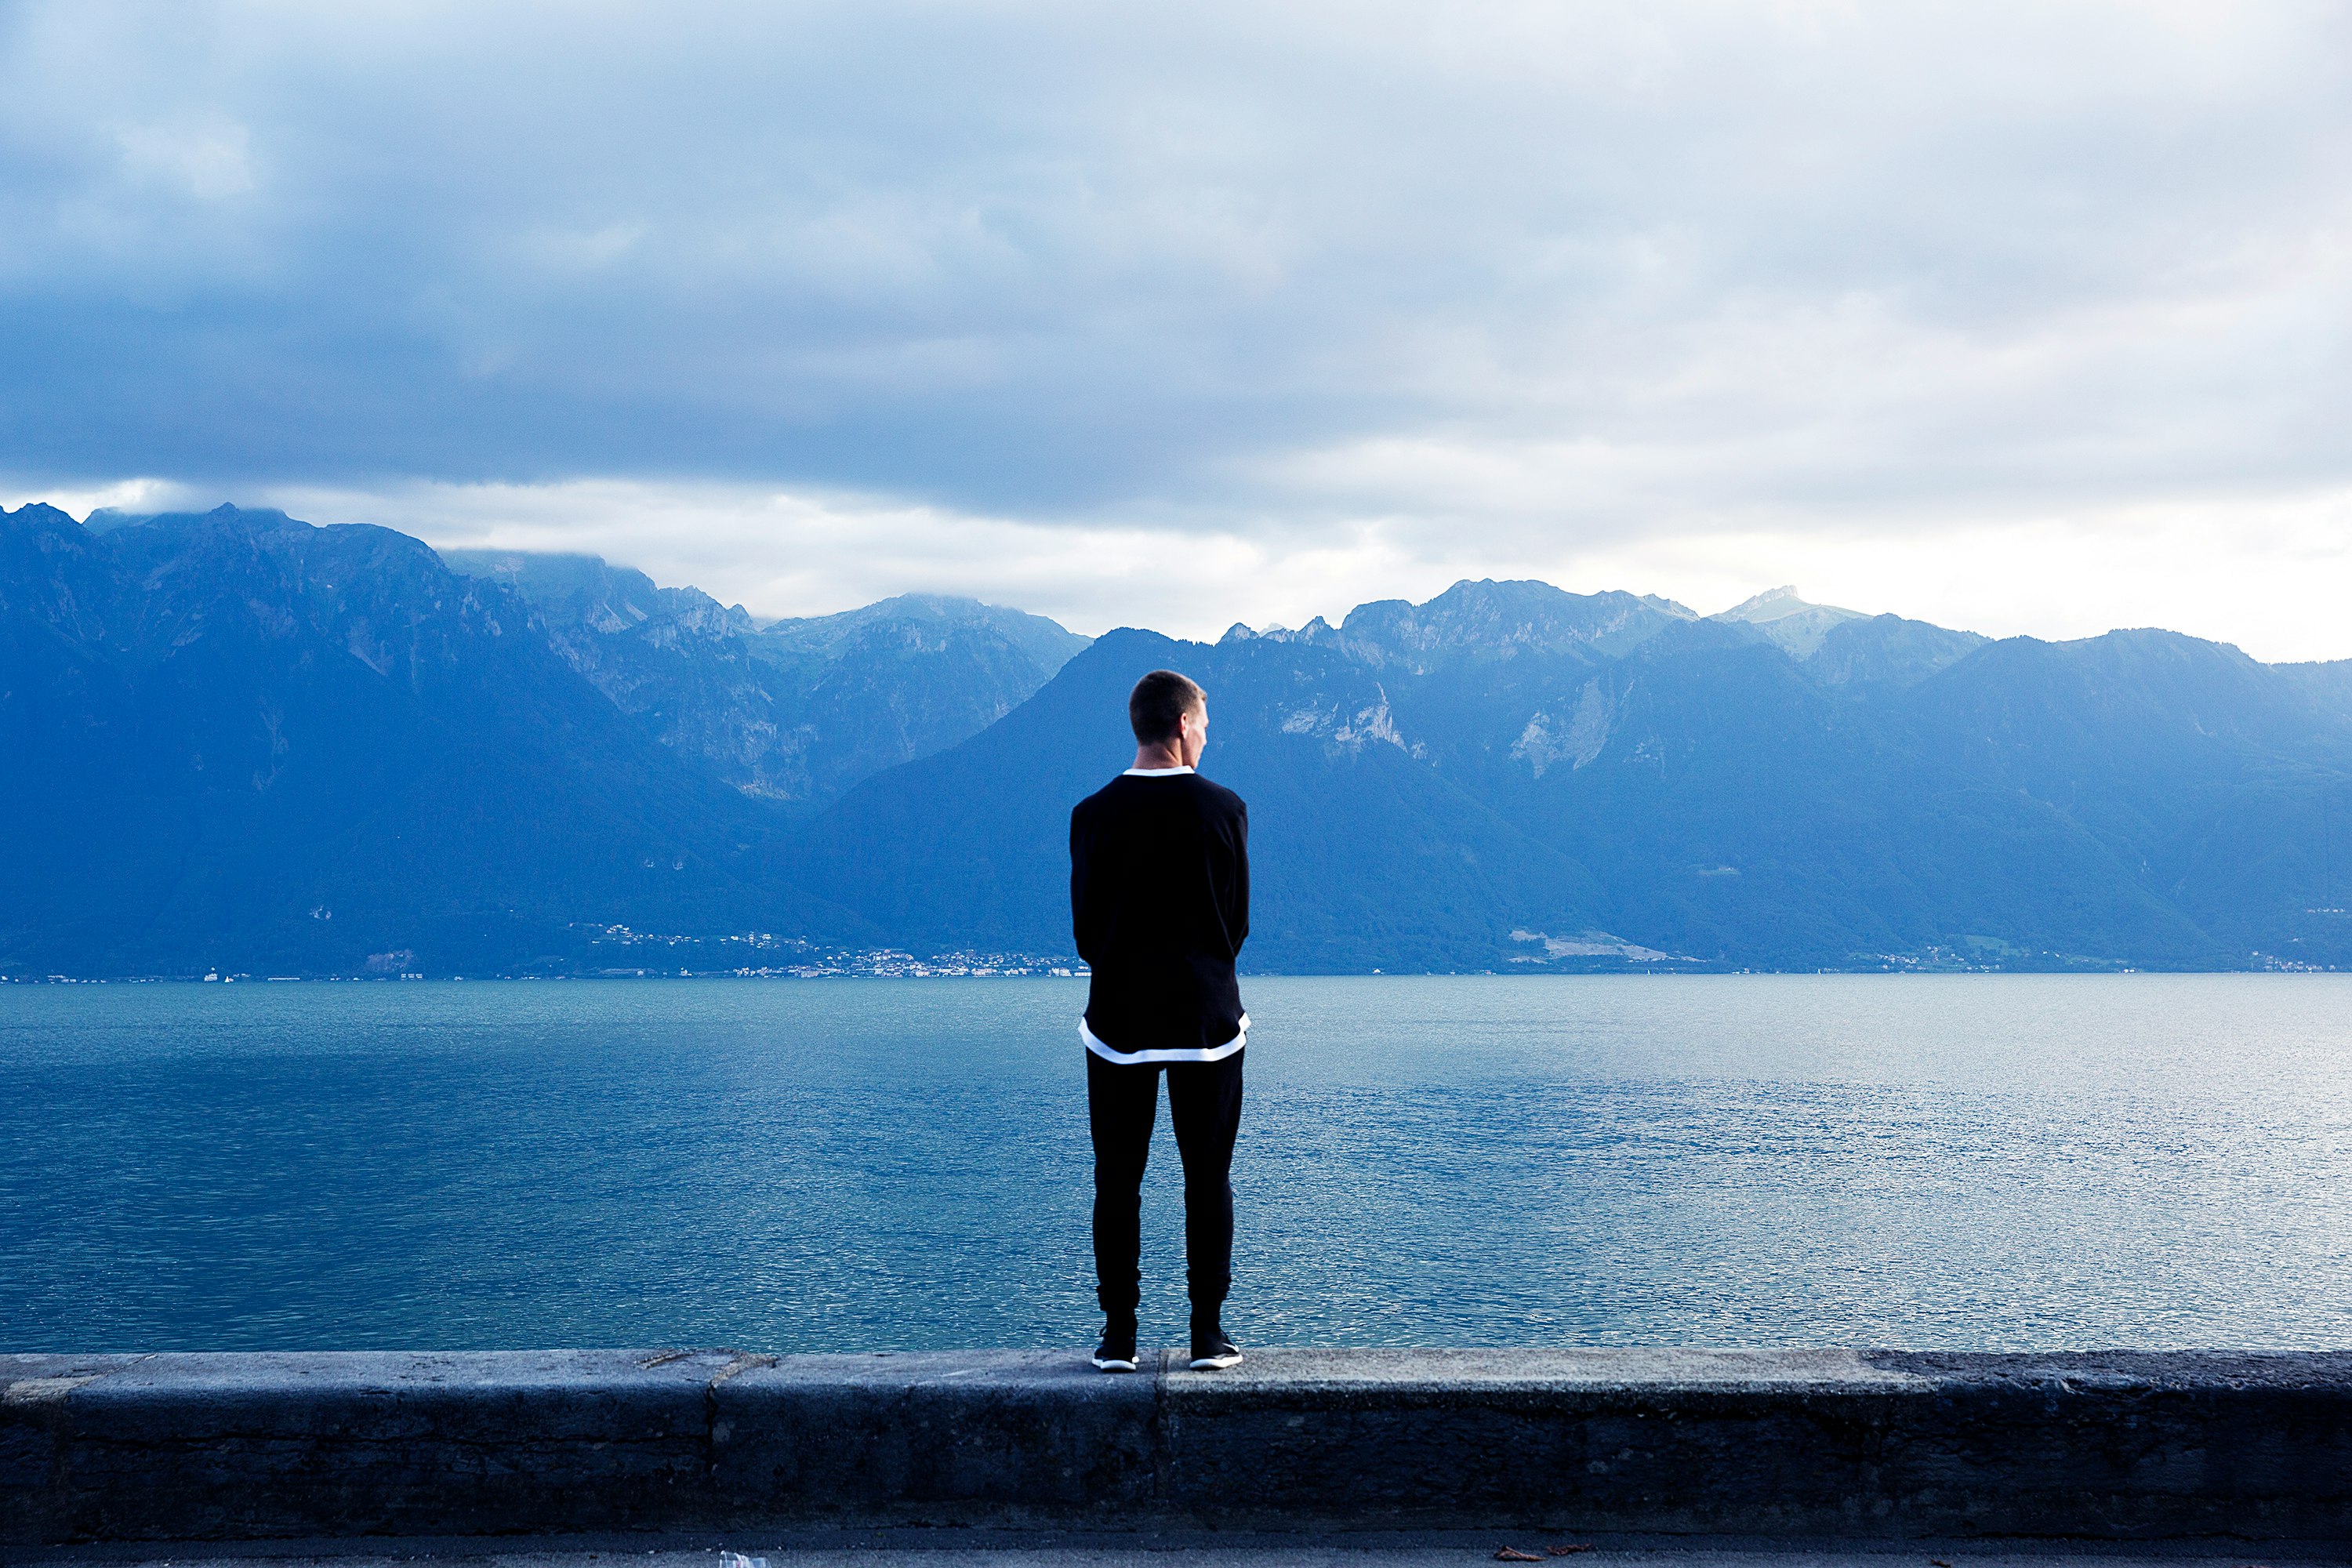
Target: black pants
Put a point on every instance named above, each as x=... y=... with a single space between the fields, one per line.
x=1204 y=1101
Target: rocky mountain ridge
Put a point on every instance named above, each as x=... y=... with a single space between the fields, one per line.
x=237 y=740
x=1888 y=793
x=792 y=711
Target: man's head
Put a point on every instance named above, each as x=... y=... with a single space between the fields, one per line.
x=1169 y=714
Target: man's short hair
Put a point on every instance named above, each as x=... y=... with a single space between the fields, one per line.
x=1156 y=706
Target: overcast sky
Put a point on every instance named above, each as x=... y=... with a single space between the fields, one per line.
x=2025 y=318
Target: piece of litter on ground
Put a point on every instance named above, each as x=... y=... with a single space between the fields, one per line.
x=1938 y=1562
x=737 y=1560
x=1513 y=1554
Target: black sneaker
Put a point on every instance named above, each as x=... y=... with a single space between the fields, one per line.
x=1212 y=1352
x=1117 y=1351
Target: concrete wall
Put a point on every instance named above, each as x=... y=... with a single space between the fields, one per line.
x=1879 y=1444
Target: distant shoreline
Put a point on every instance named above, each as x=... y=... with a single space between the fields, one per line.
x=927 y=973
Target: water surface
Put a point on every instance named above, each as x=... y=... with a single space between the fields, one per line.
x=1967 y=1161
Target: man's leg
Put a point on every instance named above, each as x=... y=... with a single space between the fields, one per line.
x=1204 y=1101
x=1122 y=1103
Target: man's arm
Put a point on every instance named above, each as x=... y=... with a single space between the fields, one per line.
x=1236 y=910
x=1086 y=913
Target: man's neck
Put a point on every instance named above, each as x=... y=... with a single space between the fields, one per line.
x=1157 y=759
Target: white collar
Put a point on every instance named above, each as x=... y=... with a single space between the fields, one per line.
x=1154 y=772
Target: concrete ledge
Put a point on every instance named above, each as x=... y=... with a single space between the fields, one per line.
x=1860 y=1445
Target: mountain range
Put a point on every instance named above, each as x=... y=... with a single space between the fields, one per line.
x=793 y=711
x=234 y=743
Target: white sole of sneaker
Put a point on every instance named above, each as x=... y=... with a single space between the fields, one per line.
x=1216 y=1362
x=1111 y=1364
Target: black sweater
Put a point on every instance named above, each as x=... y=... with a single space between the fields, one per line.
x=1160 y=900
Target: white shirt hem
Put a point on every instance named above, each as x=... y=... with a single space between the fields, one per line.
x=1154 y=772
x=1190 y=1054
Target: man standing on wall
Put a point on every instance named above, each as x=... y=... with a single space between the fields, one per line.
x=1159 y=897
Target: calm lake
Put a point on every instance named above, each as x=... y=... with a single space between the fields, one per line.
x=1967 y=1161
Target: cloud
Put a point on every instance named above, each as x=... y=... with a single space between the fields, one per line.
x=2277 y=590
x=1241 y=295
x=207 y=162
x=787 y=553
